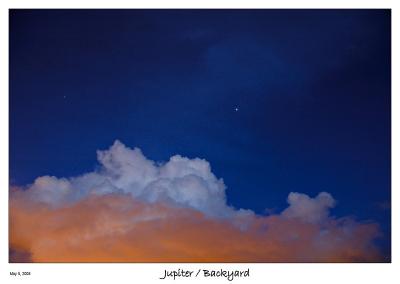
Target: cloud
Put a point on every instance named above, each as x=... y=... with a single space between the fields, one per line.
x=180 y=181
x=313 y=210
x=133 y=209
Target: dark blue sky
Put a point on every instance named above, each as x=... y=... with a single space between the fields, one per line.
x=312 y=88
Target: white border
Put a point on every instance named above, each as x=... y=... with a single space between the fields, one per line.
x=148 y=273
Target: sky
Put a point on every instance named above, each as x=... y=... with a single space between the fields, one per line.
x=260 y=113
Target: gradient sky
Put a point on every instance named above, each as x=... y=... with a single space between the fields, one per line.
x=276 y=100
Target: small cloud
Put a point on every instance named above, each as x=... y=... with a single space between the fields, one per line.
x=312 y=210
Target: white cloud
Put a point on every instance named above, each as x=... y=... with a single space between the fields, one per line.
x=307 y=209
x=179 y=182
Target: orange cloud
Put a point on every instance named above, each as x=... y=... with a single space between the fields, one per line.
x=120 y=228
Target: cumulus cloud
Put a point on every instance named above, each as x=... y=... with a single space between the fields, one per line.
x=180 y=181
x=313 y=210
x=134 y=209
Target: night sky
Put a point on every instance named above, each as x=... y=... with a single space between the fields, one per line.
x=275 y=100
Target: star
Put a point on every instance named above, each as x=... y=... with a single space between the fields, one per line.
x=236 y=109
